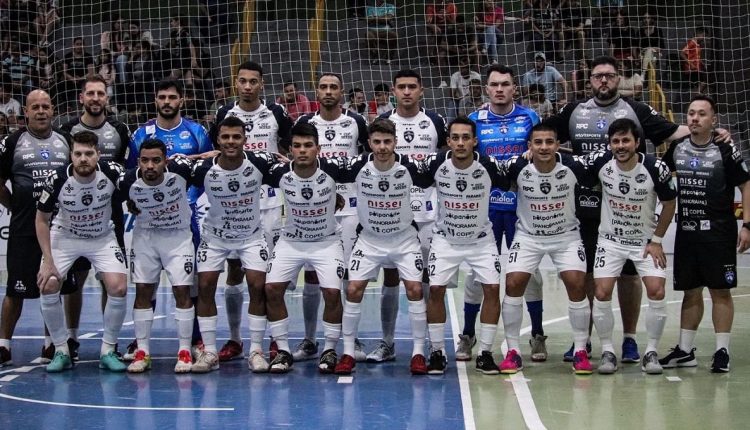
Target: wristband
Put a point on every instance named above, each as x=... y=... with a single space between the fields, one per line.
x=656 y=239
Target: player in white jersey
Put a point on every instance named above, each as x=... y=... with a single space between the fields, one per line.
x=311 y=236
x=81 y=193
x=631 y=183
x=387 y=235
x=546 y=225
x=267 y=129
x=157 y=193
x=463 y=235
x=232 y=182
x=342 y=133
x=419 y=132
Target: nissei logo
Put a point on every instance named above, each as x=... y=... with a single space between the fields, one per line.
x=375 y=204
x=546 y=207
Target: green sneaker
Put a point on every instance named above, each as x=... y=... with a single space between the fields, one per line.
x=110 y=362
x=61 y=361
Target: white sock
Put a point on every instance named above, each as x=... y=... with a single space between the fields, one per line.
x=73 y=333
x=184 y=318
x=233 y=298
x=47 y=341
x=5 y=343
x=656 y=319
x=350 y=325
x=418 y=320
x=487 y=334
x=687 y=339
x=114 y=316
x=579 y=315
x=512 y=319
x=437 y=335
x=332 y=333
x=207 y=326
x=628 y=335
x=54 y=318
x=257 y=331
x=310 y=304
x=604 y=321
x=280 y=333
x=722 y=341
x=389 y=311
x=143 y=319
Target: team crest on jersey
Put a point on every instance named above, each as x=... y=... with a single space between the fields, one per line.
x=640 y=178
x=233 y=186
x=87 y=199
x=408 y=136
x=624 y=187
x=424 y=124
x=601 y=123
x=561 y=174
x=330 y=134
x=498 y=266
x=729 y=275
x=264 y=254
x=249 y=126
x=581 y=253
x=102 y=184
x=461 y=185
x=321 y=178
x=477 y=174
x=694 y=162
x=384 y=185
x=307 y=193
x=119 y=256
x=399 y=174
x=545 y=187
x=340 y=272
x=44 y=153
x=188 y=267
x=504 y=129
x=419 y=264
x=248 y=171
x=159 y=196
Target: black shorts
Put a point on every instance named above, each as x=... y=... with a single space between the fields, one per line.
x=24 y=259
x=712 y=265
x=589 y=236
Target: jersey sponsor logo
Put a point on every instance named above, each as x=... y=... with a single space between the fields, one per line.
x=583 y=126
x=424 y=124
x=399 y=174
x=502 y=198
x=626 y=207
x=87 y=199
x=563 y=187
x=309 y=212
x=692 y=182
x=561 y=174
x=320 y=179
x=102 y=184
x=213 y=175
x=547 y=207
x=248 y=171
x=159 y=196
x=290 y=192
x=461 y=185
x=461 y=205
x=477 y=174
x=545 y=187
x=234 y=185
x=384 y=204
x=416 y=206
x=588 y=201
x=184 y=134
x=408 y=136
x=624 y=187
x=688 y=225
x=384 y=185
x=640 y=178
x=330 y=134
x=705 y=225
x=345 y=123
x=20 y=287
x=486 y=131
x=307 y=193
x=527 y=174
x=352 y=202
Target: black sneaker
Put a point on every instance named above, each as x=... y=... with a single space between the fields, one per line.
x=486 y=364
x=73 y=346
x=328 y=361
x=48 y=353
x=720 y=363
x=5 y=358
x=437 y=363
x=679 y=358
x=282 y=363
x=117 y=353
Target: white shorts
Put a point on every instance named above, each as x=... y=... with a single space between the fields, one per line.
x=611 y=257
x=425 y=229
x=348 y=224
x=326 y=258
x=270 y=220
x=566 y=252
x=213 y=252
x=370 y=255
x=103 y=252
x=445 y=258
x=154 y=249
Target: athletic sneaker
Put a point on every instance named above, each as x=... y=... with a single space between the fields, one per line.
x=630 y=351
x=608 y=365
x=512 y=363
x=184 y=362
x=437 y=363
x=5 y=357
x=720 y=363
x=61 y=361
x=463 y=347
x=273 y=349
x=141 y=362
x=282 y=363
x=568 y=356
x=257 y=363
x=306 y=350
x=418 y=365
x=197 y=348
x=130 y=352
x=206 y=362
x=679 y=358
x=538 y=345
x=650 y=364
x=383 y=352
x=73 y=346
x=110 y=362
x=359 y=351
x=345 y=366
x=48 y=353
x=231 y=350
x=486 y=364
x=581 y=363
x=327 y=362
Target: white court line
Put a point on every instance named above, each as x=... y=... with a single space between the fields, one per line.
x=8 y=378
x=127 y=408
x=463 y=378
x=345 y=380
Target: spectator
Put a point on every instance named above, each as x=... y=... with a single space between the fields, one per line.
x=19 y=66
x=222 y=96
x=461 y=80
x=574 y=24
x=622 y=39
x=474 y=100
x=106 y=69
x=381 y=31
x=439 y=15
x=544 y=19
x=295 y=102
x=194 y=108
x=116 y=40
x=537 y=100
x=214 y=20
x=631 y=83
x=651 y=42
x=44 y=71
x=357 y=101
x=580 y=77
x=548 y=77
x=183 y=50
x=9 y=106
x=461 y=41
x=45 y=20
x=382 y=102
x=77 y=65
x=693 y=62
x=4 y=128
x=608 y=10
x=489 y=23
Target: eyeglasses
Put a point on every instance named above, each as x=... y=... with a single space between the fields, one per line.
x=600 y=76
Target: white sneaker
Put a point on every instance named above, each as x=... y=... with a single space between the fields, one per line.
x=206 y=362
x=463 y=348
x=306 y=350
x=184 y=362
x=359 y=351
x=257 y=363
x=383 y=352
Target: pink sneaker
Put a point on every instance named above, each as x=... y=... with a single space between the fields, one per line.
x=512 y=363
x=581 y=363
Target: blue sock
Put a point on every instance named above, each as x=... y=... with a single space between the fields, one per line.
x=196 y=328
x=535 y=313
x=471 y=310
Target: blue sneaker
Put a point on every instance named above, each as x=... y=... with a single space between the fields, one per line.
x=60 y=361
x=630 y=351
x=110 y=362
x=568 y=356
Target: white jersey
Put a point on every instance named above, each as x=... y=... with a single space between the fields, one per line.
x=310 y=202
x=628 y=209
x=417 y=137
x=546 y=201
x=463 y=195
x=346 y=136
x=267 y=128
x=162 y=206
x=234 y=195
x=84 y=210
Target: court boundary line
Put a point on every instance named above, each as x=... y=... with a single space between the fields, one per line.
x=128 y=408
x=463 y=377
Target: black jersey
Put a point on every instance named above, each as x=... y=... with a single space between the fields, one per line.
x=114 y=138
